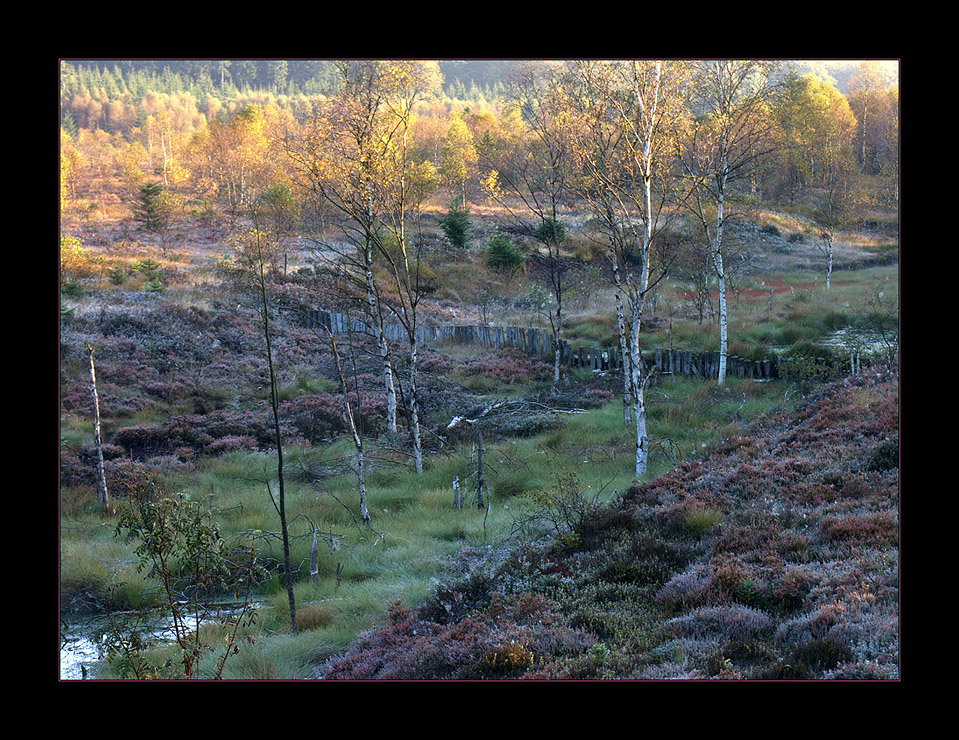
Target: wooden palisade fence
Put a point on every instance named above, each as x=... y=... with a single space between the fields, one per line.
x=534 y=341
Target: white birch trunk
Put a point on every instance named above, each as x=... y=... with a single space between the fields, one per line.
x=639 y=398
x=723 y=320
x=103 y=496
x=829 y=265
x=364 y=510
x=382 y=340
x=721 y=276
x=414 y=405
x=388 y=379
x=357 y=440
x=624 y=339
x=627 y=360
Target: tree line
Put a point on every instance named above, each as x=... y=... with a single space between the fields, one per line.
x=118 y=96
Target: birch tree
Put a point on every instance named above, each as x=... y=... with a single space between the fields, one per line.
x=871 y=103
x=334 y=159
x=628 y=112
x=835 y=127
x=832 y=213
x=355 y=155
x=255 y=249
x=410 y=82
x=729 y=137
x=350 y=418
x=458 y=157
x=103 y=495
x=527 y=177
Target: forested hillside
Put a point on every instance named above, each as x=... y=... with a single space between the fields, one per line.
x=510 y=369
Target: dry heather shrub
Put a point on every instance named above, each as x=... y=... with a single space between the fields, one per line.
x=875 y=529
x=792 y=588
x=729 y=573
x=734 y=622
x=686 y=588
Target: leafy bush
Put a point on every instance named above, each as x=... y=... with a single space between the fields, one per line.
x=179 y=546
x=806 y=363
x=564 y=505
x=75 y=261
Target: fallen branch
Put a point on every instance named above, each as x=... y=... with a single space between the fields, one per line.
x=489 y=409
x=518 y=407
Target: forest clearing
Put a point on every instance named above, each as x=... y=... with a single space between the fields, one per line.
x=298 y=497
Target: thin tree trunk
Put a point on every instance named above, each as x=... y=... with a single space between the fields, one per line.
x=639 y=398
x=103 y=496
x=557 y=280
x=388 y=379
x=639 y=300
x=357 y=440
x=376 y=317
x=829 y=265
x=479 y=472
x=314 y=560
x=412 y=298
x=721 y=277
x=624 y=340
x=259 y=267
x=275 y=403
x=723 y=322
x=414 y=403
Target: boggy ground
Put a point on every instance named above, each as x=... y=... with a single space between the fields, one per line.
x=774 y=556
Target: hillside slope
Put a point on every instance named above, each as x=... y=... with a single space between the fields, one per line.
x=774 y=556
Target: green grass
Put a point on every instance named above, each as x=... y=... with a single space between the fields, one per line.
x=305 y=383
x=593 y=331
x=800 y=309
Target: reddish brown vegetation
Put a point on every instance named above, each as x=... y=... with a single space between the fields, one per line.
x=794 y=575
